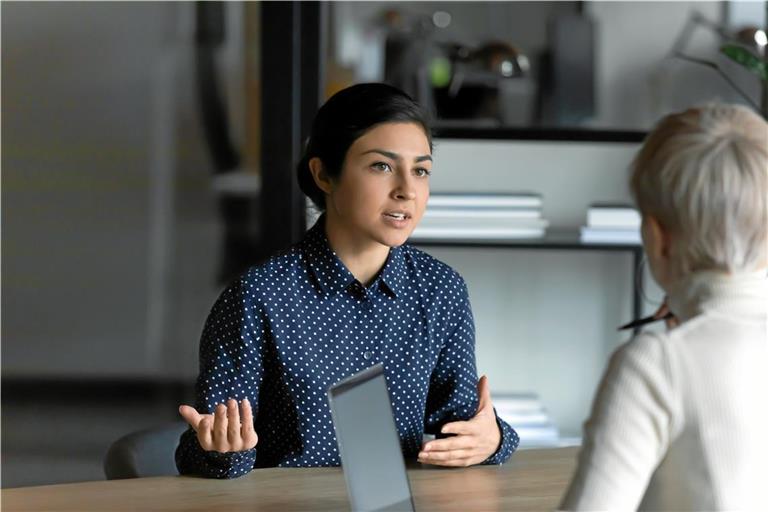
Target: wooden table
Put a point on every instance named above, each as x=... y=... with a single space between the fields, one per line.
x=532 y=480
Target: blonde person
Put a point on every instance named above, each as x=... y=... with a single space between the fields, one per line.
x=680 y=418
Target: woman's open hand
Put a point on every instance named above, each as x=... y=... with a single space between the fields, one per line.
x=475 y=440
x=227 y=430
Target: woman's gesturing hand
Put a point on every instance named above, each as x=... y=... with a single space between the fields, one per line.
x=227 y=430
x=475 y=440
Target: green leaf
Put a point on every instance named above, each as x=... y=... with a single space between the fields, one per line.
x=744 y=57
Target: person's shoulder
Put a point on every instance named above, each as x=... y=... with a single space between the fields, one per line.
x=645 y=345
x=646 y=356
x=277 y=271
x=431 y=271
x=665 y=349
x=672 y=343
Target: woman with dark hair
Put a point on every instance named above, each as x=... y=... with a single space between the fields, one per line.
x=346 y=297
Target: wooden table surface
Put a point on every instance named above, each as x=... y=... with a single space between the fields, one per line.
x=531 y=480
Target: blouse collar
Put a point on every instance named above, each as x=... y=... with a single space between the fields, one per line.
x=333 y=276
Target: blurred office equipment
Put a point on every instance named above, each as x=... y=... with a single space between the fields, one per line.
x=745 y=46
x=462 y=85
x=494 y=82
x=707 y=58
x=489 y=85
x=591 y=65
x=567 y=90
x=408 y=51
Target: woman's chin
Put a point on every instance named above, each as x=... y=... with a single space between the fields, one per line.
x=395 y=239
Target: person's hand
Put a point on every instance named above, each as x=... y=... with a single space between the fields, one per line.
x=227 y=430
x=475 y=440
x=663 y=312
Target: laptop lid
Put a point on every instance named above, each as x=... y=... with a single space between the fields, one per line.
x=369 y=444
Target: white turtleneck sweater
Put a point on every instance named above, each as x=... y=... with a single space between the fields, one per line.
x=680 y=420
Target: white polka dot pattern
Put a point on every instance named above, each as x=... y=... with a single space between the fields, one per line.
x=293 y=326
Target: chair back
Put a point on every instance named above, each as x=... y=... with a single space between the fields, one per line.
x=148 y=452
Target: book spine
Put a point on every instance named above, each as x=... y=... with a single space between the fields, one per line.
x=482 y=213
x=485 y=201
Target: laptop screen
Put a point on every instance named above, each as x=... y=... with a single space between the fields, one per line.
x=368 y=443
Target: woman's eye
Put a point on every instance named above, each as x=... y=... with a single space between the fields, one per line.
x=381 y=166
x=422 y=172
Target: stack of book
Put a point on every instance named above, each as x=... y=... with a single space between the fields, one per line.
x=482 y=216
x=525 y=413
x=611 y=224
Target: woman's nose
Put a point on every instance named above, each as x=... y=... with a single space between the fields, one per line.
x=405 y=190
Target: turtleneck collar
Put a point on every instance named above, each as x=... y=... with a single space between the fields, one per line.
x=739 y=295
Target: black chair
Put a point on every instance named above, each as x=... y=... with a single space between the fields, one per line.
x=148 y=452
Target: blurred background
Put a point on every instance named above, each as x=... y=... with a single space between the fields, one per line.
x=147 y=159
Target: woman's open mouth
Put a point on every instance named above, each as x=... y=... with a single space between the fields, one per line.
x=397 y=219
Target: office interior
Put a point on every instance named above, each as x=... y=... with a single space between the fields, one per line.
x=146 y=161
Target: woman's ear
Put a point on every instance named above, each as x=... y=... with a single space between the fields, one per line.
x=322 y=180
x=658 y=242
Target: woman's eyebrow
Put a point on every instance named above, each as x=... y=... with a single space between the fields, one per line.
x=395 y=156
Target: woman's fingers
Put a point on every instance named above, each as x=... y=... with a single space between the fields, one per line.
x=247 y=431
x=450 y=443
x=449 y=458
x=233 y=425
x=456 y=451
x=191 y=416
x=205 y=433
x=473 y=442
x=220 y=442
x=226 y=430
x=455 y=463
x=663 y=312
x=202 y=424
x=458 y=427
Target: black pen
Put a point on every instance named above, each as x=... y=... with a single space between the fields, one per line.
x=646 y=320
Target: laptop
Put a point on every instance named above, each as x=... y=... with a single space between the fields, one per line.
x=369 y=444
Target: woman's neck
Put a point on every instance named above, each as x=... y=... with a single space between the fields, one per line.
x=363 y=258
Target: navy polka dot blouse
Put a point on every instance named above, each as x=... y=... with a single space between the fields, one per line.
x=293 y=326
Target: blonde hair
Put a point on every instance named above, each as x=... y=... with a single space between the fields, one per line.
x=703 y=174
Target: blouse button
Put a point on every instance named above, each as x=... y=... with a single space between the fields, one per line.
x=368 y=354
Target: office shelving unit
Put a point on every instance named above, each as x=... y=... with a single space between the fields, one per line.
x=557 y=240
